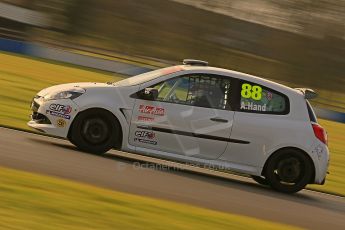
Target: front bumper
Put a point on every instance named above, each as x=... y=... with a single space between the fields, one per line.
x=52 y=117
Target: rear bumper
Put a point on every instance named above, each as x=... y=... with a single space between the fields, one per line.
x=320 y=153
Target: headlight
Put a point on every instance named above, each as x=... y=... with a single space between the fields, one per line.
x=68 y=94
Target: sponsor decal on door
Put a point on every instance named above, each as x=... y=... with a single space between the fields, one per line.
x=153 y=110
x=146 y=137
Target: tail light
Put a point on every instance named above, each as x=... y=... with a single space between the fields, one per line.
x=320 y=133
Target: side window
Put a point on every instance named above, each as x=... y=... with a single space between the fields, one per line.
x=259 y=99
x=201 y=90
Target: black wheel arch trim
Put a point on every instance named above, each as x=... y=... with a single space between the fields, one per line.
x=293 y=148
x=117 y=145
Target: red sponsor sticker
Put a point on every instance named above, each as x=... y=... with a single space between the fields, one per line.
x=153 y=110
x=159 y=111
x=143 y=118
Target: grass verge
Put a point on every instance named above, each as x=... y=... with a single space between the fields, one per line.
x=30 y=201
x=21 y=78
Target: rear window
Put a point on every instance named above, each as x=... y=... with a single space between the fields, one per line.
x=256 y=98
x=311 y=113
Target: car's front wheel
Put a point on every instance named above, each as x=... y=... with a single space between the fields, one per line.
x=289 y=171
x=95 y=131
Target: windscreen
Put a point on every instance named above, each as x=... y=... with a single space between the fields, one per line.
x=141 y=78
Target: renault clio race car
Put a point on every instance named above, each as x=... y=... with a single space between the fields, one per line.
x=196 y=114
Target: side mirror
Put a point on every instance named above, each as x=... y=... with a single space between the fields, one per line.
x=150 y=94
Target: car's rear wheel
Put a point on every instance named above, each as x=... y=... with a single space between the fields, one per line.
x=260 y=180
x=289 y=170
x=95 y=131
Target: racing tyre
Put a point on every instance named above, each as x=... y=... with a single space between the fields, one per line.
x=260 y=180
x=95 y=131
x=289 y=171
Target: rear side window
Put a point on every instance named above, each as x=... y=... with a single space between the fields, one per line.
x=256 y=98
x=311 y=113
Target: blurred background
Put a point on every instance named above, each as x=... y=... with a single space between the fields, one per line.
x=297 y=42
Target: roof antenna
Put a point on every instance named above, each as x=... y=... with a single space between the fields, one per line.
x=194 y=62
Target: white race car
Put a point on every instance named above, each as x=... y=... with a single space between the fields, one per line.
x=197 y=114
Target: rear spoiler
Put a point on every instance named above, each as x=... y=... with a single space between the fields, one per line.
x=308 y=93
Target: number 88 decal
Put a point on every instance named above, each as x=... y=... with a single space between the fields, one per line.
x=249 y=91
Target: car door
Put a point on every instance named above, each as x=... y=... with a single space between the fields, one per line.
x=191 y=116
x=260 y=121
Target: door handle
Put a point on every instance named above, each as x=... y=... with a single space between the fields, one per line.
x=218 y=119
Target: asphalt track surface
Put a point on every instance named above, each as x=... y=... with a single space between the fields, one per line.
x=161 y=179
